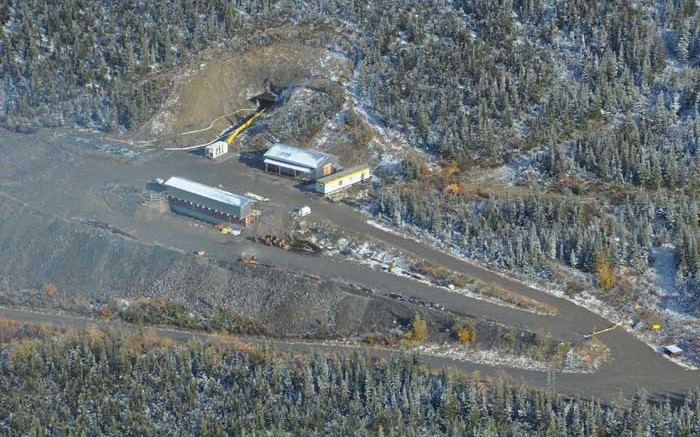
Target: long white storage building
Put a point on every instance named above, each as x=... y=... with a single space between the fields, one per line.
x=207 y=203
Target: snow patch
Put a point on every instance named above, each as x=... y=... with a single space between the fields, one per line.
x=664 y=267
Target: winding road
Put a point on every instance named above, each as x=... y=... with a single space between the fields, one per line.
x=605 y=384
x=633 y=365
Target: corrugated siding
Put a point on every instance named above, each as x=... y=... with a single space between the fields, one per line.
x=235 y=211
x=206 y=191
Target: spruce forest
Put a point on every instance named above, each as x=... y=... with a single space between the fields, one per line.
x=116 y=384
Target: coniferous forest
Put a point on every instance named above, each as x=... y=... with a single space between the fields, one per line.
x=97 y=383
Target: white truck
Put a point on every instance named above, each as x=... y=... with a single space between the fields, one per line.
x=302 y=212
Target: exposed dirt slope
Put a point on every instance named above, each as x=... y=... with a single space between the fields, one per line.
x=220 y=83
x=91 y=266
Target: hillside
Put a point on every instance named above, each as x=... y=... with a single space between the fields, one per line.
x=540 y=151
x=84 y=268
x=216 y=88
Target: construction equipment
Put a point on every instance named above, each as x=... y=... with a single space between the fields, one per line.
x=224 y=229
x=248 y=258
x=244 y=125
x=392 y=266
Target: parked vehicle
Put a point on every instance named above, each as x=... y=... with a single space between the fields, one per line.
x=302 y=212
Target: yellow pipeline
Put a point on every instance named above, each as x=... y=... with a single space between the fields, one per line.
x=242 y=127
x=608 y=329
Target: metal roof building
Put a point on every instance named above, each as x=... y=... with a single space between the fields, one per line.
x=298 y=162
x=672 y=350
x=206 y=202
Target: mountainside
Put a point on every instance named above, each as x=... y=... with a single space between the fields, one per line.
x=85 y=268
x=558 y=140
x=516 y=192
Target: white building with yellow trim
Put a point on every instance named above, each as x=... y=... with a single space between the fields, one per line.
x=342 y=179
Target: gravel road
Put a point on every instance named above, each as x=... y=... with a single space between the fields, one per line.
x=62 y=174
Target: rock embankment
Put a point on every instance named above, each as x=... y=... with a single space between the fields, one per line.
x=50 y=262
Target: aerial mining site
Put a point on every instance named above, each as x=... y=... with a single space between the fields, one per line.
x=417 y=223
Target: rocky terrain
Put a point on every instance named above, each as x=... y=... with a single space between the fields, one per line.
x=92 y=268
x=50 y=262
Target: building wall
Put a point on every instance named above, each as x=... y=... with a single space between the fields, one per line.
x=343 y=182
x=288 y=172
x=322 y=170
x=210 y=216
x=326 y=168
x=217 y=149
x=205 y=202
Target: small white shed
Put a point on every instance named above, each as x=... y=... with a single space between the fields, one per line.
x=672 y=350
x=213 y=151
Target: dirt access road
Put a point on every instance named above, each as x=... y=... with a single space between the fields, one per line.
x=576 y=385
x=63 y=172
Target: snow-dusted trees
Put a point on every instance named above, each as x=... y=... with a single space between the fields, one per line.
x=527 y=233
x=106 y=384
x=84 y=61
x=609 y=90
x=459 y=77
x=650 y=156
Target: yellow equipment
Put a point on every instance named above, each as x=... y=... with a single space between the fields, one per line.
x=243 y=127
x=248 y=257
x=655 y=326
x=249 y=260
